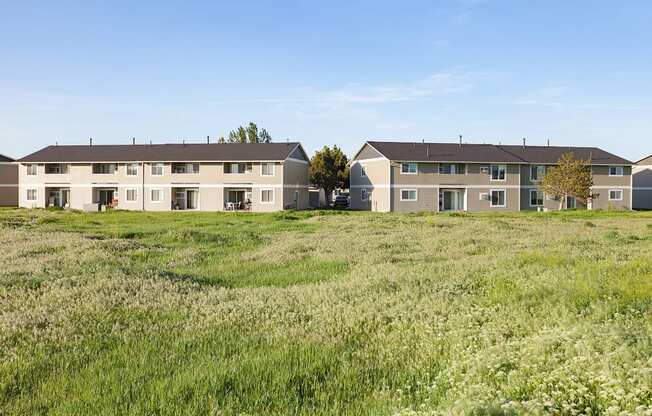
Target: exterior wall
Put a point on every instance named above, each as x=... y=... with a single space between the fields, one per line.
x=8 y=184
x=211 y=181
x=643 y=186
x=295 y=179
x=377 y=181
x=428 y=182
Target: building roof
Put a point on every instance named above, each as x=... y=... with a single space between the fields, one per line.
x=645 y=161
x=454 y=152
x=194 y=152
x=4 y=158
x=551 y=154
x=443 y=152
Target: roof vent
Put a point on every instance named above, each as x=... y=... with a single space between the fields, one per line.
x=208 y=139
x=460 y=140
x=548 y=142
x=523 y=142
x=90 y=141
x=133 y=140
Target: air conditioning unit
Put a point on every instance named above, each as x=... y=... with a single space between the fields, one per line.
x=484 y=197
x=484 y=169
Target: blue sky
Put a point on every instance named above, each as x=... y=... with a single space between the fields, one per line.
x=574 y=72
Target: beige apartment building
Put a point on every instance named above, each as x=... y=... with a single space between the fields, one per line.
x=258 y=177
x=412 y=177
x=8 y=182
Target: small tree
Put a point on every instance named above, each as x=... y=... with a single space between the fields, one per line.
x=571 y=177
x=250 y=134
x=329 y=170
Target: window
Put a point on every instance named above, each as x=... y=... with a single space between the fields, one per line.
x=31 y=194
x=103 y=168
x=185 y=168
x=408 y=168
x=452 y=168
x=615 y=195
x=363 y=173
x=537 y=172
x=31 y=170
x=267 y=196
x=267 y=169
x=536 y=198
x=132 y=195
x=132 y=169
x=498 y=172
x=408 y=194
x=156 y=195
x=615 y=171
x=498 y=198
x=365 y=194
x=56 y=169
x=237 y=167
x=157 y=169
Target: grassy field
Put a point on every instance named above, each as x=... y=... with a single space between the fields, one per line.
x=325 y=313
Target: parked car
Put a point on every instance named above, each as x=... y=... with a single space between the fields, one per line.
x=341 y=201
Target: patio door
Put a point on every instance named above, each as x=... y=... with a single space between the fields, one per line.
x=192 y=199
x=180 y=199
x=449 y=200
x=106 y=196
x=571 y=203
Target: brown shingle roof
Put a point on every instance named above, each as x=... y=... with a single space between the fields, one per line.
x=551 y=154
x=453 y=152
x=443 y=152
x=164 y=152
x=4 y=158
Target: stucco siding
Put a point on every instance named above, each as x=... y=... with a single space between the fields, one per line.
x=376 y=181
x=368 y=152
x=642 y=182
x=427 y=199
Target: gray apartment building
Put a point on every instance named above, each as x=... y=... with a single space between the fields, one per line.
x=643 y=183
x=8 y=182
x=412 y=177
x=258 y=177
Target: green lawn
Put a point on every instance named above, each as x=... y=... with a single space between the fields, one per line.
x=325 y=313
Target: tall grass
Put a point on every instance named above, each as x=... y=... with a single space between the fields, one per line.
x=311 y=313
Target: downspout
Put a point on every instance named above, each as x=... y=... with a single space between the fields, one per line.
x=142 y=195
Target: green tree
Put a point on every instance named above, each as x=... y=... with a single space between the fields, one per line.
x=571 y=177
x=329 y=169
x=250 y=134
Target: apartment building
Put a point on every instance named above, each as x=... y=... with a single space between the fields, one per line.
x=411 y=177
x=8 y=182
x=642 y=180
x=256 y=177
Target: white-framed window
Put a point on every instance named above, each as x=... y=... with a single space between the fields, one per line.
x=408 y=194
x=452 y=168
x=132 y=169
x=156 y=169
x=536 y=198
x=31 y=169
x=56 y=169
x=408 y=168
x=615 y=194
x=31 y=194
x=131 y=195
x=103 y=168
x=616 y=171
x=156 y=195
x=183 y=167
x=497 y=198
x=484 y=170
x=365 y=194
x=537 y=172
x=363 y=173
x=238 y=167
x=267 y=169
x=498 y=172
x=266 y=196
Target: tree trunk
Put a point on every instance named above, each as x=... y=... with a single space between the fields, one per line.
x=562 y=203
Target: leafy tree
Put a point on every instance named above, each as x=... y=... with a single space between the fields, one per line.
x=571 y=177
x=250 y=134
x=329 y=169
